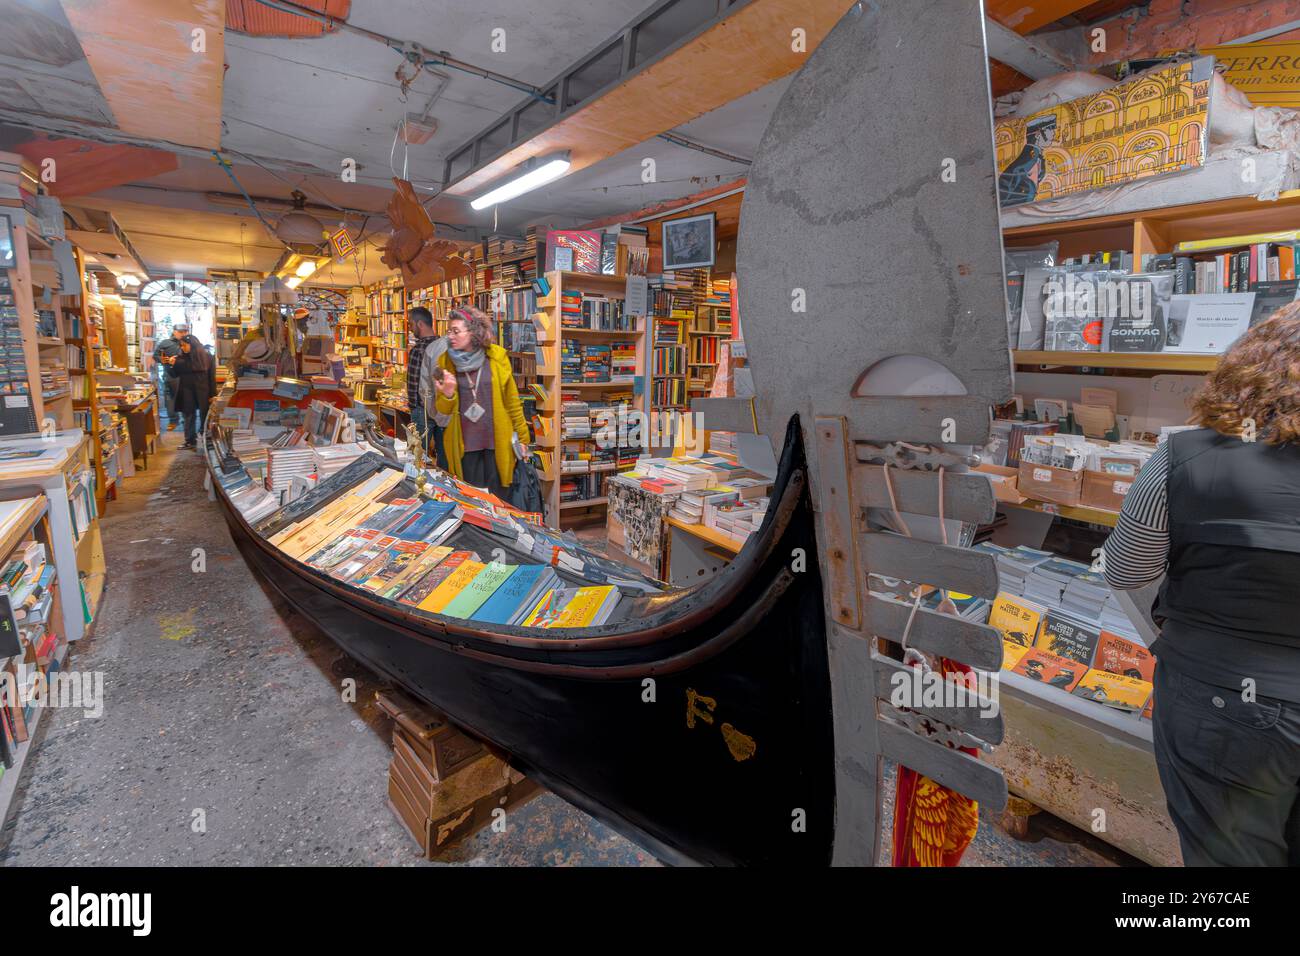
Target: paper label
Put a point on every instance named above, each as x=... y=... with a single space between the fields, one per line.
x=1121 y=487
x=1042 y=474
x=15 y=401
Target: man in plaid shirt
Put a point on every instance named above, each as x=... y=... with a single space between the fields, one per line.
x=422 y=373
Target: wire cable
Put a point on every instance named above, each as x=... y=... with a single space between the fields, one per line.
x=225 y=164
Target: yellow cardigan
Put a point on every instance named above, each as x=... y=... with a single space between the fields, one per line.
x=507 y=416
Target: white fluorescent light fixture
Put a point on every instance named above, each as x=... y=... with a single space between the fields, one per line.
x=537 y=172
x=306 y=268
x=294 y=282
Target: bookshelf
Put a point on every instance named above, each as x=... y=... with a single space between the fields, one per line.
x=673 y=309
x=24 y=407
x=386 y=321
x=81 y=318
x=353 y=334
x=1140 y=361
x=44 y=642
x=585 y=349
x=710 y=328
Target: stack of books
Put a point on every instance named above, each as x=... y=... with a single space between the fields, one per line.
x=575 y=419
x=1016 y=564
x=596 y=364
x=571 y=362
x=285 y=464
x=1086 y=595
x=1047 y=581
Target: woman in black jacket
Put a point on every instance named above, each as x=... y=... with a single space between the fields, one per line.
x=195 y=372
x=1216 y=510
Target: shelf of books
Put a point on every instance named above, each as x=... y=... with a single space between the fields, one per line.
x=86 y=317
x=24 y=372
x=355 y=344
x=1114 y=321
x=591 y=358
x=672 y=307
x=33 y=639
x=386 y=321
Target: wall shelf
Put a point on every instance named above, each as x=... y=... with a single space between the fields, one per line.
x=1146 y=361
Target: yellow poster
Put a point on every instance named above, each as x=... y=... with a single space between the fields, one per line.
x=1268 y=73
x=1153 y=124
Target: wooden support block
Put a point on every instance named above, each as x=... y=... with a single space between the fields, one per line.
x=440 y=746
x=441 y=815
x=451 y=830
x=1015 y=818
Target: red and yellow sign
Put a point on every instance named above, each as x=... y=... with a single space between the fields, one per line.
x=342 y=243
x=1268 y=73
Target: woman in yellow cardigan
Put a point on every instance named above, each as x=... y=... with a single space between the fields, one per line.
x=479 y=402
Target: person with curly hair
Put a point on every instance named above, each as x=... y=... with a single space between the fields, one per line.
x=1216 y=510
x=479 y=400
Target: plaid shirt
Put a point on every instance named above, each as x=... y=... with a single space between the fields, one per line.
x=413 y=363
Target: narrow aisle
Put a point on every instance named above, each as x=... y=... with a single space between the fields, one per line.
x=224 y=738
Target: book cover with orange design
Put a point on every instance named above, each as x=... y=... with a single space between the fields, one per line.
x=1119 y=655
x=1017 y=618
x=1119 y=693
x=1050 y=669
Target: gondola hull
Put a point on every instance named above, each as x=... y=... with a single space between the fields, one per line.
x=726 y=760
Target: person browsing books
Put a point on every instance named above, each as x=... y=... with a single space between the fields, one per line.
x=477 y=393
x=1216 y=510
x=421 y=379
x=163 y=353
x=195 y=372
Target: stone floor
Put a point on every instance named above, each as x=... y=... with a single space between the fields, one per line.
x=225 y=740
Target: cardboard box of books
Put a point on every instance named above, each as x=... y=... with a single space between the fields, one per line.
x=1102 y=489
x=1047 y=483
x=1005 y=482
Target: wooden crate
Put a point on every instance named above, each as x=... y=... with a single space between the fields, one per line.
x=442 y=784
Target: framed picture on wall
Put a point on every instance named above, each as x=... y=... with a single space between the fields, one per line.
x=689 y=243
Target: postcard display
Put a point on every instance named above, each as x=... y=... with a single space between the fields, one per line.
x=17 y=413
x=433 y=544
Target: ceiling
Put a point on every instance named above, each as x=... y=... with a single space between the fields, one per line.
x=287 y=111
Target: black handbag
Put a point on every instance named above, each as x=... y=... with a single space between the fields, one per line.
x=525 y=491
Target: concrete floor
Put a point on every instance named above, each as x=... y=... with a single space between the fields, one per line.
x=224 y=739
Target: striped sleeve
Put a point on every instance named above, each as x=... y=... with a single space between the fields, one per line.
x=1137 y=551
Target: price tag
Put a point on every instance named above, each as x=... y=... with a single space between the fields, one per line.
x=1050 y=508
x=15 y=401
x=1042 y=474
x=1121 y=487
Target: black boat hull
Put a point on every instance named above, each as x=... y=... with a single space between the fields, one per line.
x=707 y=745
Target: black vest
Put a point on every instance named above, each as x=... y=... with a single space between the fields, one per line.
x=1234 y=538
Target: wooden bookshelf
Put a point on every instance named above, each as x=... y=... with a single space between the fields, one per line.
x=1143 y=361
x=88 y=310
x=549 y=374
x=1159 y=230
x=1074 y=512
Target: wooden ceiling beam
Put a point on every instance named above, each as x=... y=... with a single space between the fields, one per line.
x=159 y=63
x=1025 y=16
x=741 y=53
x=82 y=167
